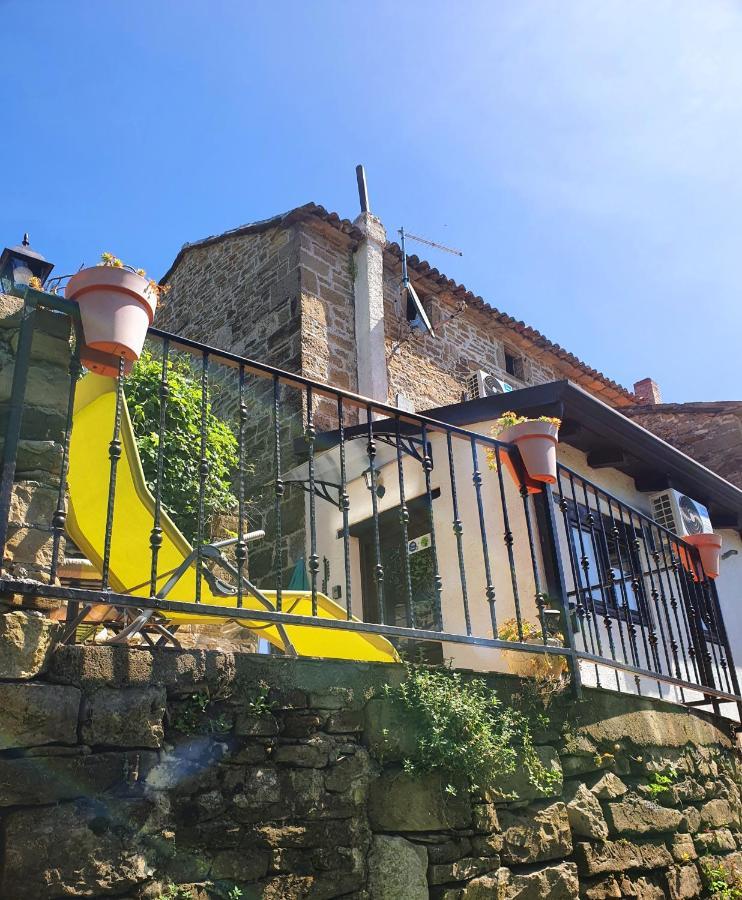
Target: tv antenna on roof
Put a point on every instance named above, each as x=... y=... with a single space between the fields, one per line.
x=416 y=314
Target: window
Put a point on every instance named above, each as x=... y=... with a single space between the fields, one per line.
x=513 y=364
x=613 y=561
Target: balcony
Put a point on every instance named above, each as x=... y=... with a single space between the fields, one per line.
x=352 y=529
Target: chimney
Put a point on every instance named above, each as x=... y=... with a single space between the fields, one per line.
x=647 y=392
x=368 y=291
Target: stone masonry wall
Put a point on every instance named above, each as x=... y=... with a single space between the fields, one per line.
x=39 y=455
x=200 y=774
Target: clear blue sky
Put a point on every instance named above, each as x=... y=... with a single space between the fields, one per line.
x=587 y=157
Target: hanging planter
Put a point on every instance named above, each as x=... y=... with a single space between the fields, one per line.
x=708 y=545
x=536 y=439
x=117 y=306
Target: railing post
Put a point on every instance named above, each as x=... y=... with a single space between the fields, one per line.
x=552 y=554
x=15 y=416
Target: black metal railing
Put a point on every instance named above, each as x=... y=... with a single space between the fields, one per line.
x=425 y=533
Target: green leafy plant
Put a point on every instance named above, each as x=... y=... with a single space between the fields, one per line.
x=174 y=892
x=720 y=883
x=661 y=782
x=510 y=418
x=508 y=630
x=257 y=703
x=195 y=715
x=464 y=731
x=182 y=442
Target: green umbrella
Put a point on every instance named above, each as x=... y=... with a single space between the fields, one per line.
x=299 y=580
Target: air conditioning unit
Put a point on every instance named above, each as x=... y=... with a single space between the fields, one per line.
x=680 y=514
x=484 y=384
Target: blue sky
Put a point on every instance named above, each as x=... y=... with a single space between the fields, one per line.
x=585 y=156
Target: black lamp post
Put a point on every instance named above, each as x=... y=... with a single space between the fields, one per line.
x=19 y=264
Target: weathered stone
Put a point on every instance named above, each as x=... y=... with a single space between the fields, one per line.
x=404 y=802
x=638 y=816
x=49 y=779
x=123 y=718
x=609 y=787
x=654 y=856
x=516 y=785
x=386 y=730
x=26 y=641
x=245 y=864
x=585 y=813
x=334 y=697
x=301 y=724
x=683 y=882
x=611 y=856
x=484 y=817
x=309 y=755
x=448 y=850
x=691 y=820
x=349 y=772
x=249 y=725
x=462 y=869
x=682 y=848
x=717 y=813
x=535 y=834
x=486 y=844
x=719 y=841
x=396 y=869
x=35 y=714
x=344 y=721
x=554 y=882
x=74 y=849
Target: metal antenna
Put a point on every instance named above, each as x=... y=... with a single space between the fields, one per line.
x=415 y=310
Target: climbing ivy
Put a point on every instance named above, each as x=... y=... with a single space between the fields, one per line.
x=182 y=443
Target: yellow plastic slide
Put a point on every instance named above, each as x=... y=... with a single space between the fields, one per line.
x=130 y=559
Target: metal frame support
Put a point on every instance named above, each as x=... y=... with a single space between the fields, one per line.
x=553 y=556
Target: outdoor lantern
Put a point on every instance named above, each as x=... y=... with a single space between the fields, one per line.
x=368 y=477
x=19 y=264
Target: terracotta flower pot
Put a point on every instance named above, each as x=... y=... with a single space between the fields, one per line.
x=117 y=307
x=103 y=363
x=537 y=442
x=709 y=549
x=533 y=487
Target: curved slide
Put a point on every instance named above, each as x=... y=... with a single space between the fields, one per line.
x=130 y=559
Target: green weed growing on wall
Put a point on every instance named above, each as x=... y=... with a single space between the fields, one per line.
x=463 y=730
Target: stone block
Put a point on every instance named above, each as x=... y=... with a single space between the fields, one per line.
x=516 y=785
x=309 y=755
x=125 y=717
x=27 y=781
x=387 y=732
x=26 y=641
x=719 y=841
x=609 y=787
x=638 y=816
x=75 y=849
x=682 y=848
x=448 y=851
x=245 y=864
x=555 y=882
x=683 y=882
x=249 y=725
x=396 y=869
x=348 y=771
x=535 y=834
x=399 y=801
x=462 y=869
x=610 y=856
x=585 y=813
x=717 y=813
x=35 y=714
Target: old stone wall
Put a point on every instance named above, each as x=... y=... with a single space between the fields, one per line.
x=39 y=455
x=199 y=774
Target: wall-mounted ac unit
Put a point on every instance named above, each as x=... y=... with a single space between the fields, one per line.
x=680 y=514
x=484 y=384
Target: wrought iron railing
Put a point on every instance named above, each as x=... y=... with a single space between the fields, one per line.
x=420 y=531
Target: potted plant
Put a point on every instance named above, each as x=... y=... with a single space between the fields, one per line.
x=117 y=305
x=519 y=662
x=536 y=439
x=708 y=545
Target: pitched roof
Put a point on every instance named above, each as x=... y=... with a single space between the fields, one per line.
x=614 y=391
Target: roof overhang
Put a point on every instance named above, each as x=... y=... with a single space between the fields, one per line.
x=609 y=439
